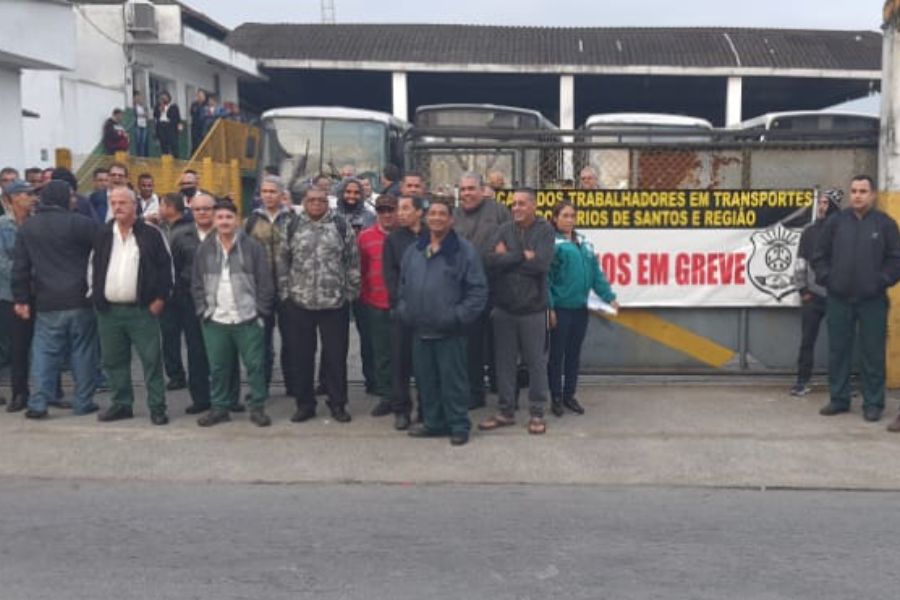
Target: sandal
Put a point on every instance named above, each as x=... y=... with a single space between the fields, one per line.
x=536 y=426
x=496 y=422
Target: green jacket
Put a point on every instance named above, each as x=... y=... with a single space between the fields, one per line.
x=575 y=271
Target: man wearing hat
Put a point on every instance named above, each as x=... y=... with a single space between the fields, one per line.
x=812 y=295
x=857 y=258
x=15 y=333
x=374 y=300
x=48 y=278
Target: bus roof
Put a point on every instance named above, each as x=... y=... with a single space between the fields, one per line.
x=334 y=112
x=645 y=119
x=764 y=121
x=487 y=107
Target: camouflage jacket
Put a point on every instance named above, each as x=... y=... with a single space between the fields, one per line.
x=270 y=233
x=317 y=269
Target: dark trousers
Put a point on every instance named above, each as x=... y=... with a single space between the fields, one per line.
x=479 y=353
x=170 y=327
x=443 y=382
x=401 y=367
x=334 y=327
x=168 y=139
x=811 y=314
x=361 y=318
x=197 y=361
x=18 y=333
x=566 y=340
x=278 y=318
x=870 y=317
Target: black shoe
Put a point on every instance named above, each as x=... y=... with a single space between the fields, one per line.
x=176 y=383
x=321 y=390
x=382 y=409
x=573 y=405
x=340 y=414
x=556 y=406
x=460 y=438
x=18 y=402
x=116 y=413
x=872 y=414
x=214 y=417
x=89 y=410
x=401 y=422
x=420 y=431
x=159 y=418
x=304 y=414
x=196 y=409
x=35 y=414
x=831 y=409
x=237 y=407
x=259 y=418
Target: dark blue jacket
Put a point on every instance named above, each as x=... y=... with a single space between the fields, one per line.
x=441 y=293
x=857 y=259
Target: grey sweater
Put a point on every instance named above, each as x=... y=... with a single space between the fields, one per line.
x=480 y=226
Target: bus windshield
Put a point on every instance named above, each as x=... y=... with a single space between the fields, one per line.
x=475 y=118
x=304 y=147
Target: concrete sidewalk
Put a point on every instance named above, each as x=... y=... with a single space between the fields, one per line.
x=723 y=433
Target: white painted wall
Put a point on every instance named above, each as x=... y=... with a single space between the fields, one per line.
x=186 y=68
x=11 y=120
x=37 y=34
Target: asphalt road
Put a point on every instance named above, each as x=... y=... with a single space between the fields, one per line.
x=127 y=541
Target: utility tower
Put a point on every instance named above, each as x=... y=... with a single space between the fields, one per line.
x=328 y=11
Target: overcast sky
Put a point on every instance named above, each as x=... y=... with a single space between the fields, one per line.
x=803 y=14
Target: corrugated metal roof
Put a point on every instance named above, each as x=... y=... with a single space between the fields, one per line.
x=477 y=44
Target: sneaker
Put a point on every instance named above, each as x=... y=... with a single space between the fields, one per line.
x=800 y=389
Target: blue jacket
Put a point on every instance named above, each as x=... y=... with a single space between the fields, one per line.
x=575 y=271
x=439 y=294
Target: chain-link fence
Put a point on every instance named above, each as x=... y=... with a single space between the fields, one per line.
x=625 y=160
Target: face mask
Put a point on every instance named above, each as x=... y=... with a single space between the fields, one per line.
x=189 y=191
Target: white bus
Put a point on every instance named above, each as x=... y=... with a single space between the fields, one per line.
x=302 y=142
x=807 y=124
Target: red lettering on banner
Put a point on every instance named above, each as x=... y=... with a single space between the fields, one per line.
x=713 y=268
x=617 y=268
x=653 y=269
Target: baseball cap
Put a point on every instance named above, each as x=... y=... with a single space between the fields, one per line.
x=18 y=186
x=387 y=200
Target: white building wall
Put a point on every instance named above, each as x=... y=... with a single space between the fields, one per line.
x=11 y=120
x=169 y=63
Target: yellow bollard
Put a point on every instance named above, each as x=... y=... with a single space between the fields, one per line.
x=889 y=202
x=234 y=184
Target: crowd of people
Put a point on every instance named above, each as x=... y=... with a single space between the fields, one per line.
x=168 y=123
x=462 y=298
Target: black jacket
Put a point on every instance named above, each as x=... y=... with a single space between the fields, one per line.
x=154 y=268
x=51 y=259
x=519 y=286
x=856 y=259
x=392 y=257
x=184 y=244
x=174 y=116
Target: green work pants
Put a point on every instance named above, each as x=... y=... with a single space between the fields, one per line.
x=870 y=317
x=442 y=376
x=225 y=344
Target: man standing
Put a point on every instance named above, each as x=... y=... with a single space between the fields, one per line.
x=518 y=268
x=477 y=219
x=168 y=124
x=185 y=240
x=856 y=259
x=812 y=295
x=51 y=259
x=413 y=185
x=118 y=177
x=442 y=290
x=131 y=281
x=318 y=278
x=188 y=185
x=374 y=302
x=172 y=221
x=149 y=202
x=588 y=179
x=268 y=225
x=17 y=333
x=409 y=221
x=233 y=292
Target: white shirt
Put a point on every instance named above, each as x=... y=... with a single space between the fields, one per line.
x=202 y=234
x=226 y=309
x=140 y=114
x=122 y=272
x=164 y=113
x=149 y=208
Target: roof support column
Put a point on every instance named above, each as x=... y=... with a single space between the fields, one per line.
x=567 y=120
x=734 y=101
x=399 y=95
x=889 y=169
